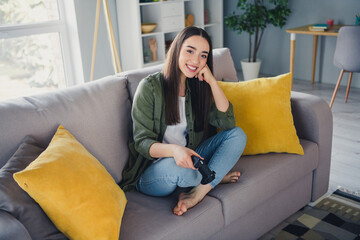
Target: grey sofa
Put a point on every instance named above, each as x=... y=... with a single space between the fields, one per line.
x=272 y=186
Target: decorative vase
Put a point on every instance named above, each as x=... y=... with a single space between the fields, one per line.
x=250 y=69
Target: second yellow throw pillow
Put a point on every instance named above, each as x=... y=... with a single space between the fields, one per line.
x=74 y=190
x=262 y=109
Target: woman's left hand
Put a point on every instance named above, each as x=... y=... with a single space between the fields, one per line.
x=206 y=75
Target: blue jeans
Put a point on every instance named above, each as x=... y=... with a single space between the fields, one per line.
x=221 y=152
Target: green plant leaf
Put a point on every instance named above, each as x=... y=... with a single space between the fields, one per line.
x=254 y=16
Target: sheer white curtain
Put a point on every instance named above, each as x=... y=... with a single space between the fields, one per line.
x=39 y=47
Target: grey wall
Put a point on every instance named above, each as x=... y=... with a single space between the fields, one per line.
x=275 y=47
x=85 y=14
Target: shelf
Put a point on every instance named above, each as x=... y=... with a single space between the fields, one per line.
x=170 y=19
x=172 y=1
x=148 y=3
x=150 y=34
x=210 y=25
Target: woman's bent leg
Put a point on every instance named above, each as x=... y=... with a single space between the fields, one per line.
x=162 y=177
x=222 y=151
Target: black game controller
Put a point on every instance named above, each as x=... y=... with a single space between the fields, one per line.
x=205 y=171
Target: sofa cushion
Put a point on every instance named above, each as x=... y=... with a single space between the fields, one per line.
x=74 y=189
x=263 y=176
x=224 y=69
x=17 y=202
x=11 y=228
x=262 y=109
x=152 y=218
x=135 y=76
x=95 y=112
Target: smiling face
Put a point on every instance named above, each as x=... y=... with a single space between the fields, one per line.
x=193 y=56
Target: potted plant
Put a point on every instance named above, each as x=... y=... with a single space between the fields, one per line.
x=254 y=17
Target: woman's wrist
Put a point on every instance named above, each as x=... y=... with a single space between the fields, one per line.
x=221 y=101
x=213 y=83
x=173 y=148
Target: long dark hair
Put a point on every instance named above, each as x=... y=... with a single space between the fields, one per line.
x=201 y=95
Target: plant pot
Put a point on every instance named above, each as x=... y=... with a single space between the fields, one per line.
x=250 y=69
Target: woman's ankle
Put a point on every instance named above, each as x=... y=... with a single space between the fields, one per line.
x=200 y=191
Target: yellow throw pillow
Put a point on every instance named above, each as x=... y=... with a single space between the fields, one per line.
x=74 y=190
x=262 y=109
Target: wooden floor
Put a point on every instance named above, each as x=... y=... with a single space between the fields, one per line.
x=345 y=157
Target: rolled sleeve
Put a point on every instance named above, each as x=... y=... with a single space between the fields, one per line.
x=222 y=120
x=143 y=119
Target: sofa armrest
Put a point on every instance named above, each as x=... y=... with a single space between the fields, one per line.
x=11 y=228
x=313 y=121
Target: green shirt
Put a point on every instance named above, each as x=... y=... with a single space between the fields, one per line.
x=148 y=115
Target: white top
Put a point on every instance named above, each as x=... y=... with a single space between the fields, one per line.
x=176 y=134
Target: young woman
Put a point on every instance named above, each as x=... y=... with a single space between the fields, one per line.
x=175 y=115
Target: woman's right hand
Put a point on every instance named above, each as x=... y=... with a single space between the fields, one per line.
x=182 y=156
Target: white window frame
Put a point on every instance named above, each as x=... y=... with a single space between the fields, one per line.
x=66 y=26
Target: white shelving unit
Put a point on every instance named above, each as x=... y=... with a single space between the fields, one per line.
x=170 y=19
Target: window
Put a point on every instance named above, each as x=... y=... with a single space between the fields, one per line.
x=39 y=47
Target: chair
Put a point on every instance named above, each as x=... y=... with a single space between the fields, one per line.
x=347 y=55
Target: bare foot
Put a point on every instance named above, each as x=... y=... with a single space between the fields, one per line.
x=231 y=177
x=190 y=199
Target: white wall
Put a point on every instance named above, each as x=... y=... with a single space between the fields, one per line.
x=85 y=13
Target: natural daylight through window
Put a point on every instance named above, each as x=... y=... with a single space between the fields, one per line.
x=36 y=48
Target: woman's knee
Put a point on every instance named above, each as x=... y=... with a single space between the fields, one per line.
x=239 y=134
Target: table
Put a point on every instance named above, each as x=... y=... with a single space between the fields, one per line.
x=333 y=31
